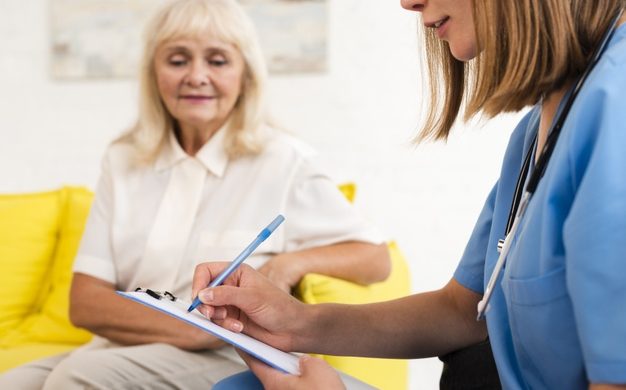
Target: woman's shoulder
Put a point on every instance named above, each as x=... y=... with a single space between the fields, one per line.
x=616 y=50
x=284 y=151
x=596 y=122
x=285 y=143
x=608 y=76
x=121 y=146
x=121 y=155
x=599 y=106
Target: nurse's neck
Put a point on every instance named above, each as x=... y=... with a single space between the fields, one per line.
x=549 y=106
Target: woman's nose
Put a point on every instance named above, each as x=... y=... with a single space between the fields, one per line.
x=413 y=5
x=198 y=75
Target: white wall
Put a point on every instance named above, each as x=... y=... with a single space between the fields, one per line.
x=361 y=115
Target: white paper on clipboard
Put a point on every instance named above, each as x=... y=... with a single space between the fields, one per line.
x=283 y=361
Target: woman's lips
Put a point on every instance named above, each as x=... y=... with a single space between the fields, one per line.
x=436 y=23
x=197 y=98
x=439 y=25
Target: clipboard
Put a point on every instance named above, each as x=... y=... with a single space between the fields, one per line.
x=170 y=305
x=283 y=361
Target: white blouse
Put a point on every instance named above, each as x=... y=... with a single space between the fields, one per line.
x=150 y=225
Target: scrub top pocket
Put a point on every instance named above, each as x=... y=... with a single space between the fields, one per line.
x=542 y=322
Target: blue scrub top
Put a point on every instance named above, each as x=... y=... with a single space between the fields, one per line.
x=558 y=313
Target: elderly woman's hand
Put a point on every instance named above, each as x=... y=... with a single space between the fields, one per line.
x=284 y=270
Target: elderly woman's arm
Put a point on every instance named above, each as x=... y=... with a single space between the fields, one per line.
x=357 y=262
x=95 y=306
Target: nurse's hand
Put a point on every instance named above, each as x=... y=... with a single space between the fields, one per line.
x=248 y=302
x=314 y=374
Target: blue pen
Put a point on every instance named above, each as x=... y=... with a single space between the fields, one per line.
x=242 y=256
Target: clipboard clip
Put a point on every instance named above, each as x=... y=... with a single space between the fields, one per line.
x=158 y=294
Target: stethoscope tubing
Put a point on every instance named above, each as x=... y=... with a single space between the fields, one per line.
x=520 y=203
x=483 y=304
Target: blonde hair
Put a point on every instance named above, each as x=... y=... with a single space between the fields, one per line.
x=226 y=21
x=540 y=45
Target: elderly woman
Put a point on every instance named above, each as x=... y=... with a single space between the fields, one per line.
x=195 y=179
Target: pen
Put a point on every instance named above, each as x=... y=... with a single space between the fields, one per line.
x=242 y=256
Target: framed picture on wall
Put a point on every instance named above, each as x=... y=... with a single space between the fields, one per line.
x=102 y=38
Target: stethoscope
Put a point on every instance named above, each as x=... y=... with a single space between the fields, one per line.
x=522 y=196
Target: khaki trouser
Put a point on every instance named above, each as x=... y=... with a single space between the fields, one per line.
x=106 y=365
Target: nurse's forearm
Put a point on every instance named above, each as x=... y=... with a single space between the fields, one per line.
x=421 y=325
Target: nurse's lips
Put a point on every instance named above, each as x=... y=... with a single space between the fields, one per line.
x=436 y=23
x=439 y=25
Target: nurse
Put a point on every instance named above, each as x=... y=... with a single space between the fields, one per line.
x=556 y=317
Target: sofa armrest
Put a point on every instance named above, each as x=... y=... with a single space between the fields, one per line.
x=315 y=288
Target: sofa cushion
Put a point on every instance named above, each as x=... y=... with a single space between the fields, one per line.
x=316 y=288
x=44 y=328
x=28 y=235
x=55 y=325
x=50 y=322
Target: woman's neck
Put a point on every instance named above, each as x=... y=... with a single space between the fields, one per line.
x=549 y=108
x=192 y=139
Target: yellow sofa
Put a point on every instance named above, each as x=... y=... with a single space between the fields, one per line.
x=39 y=237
